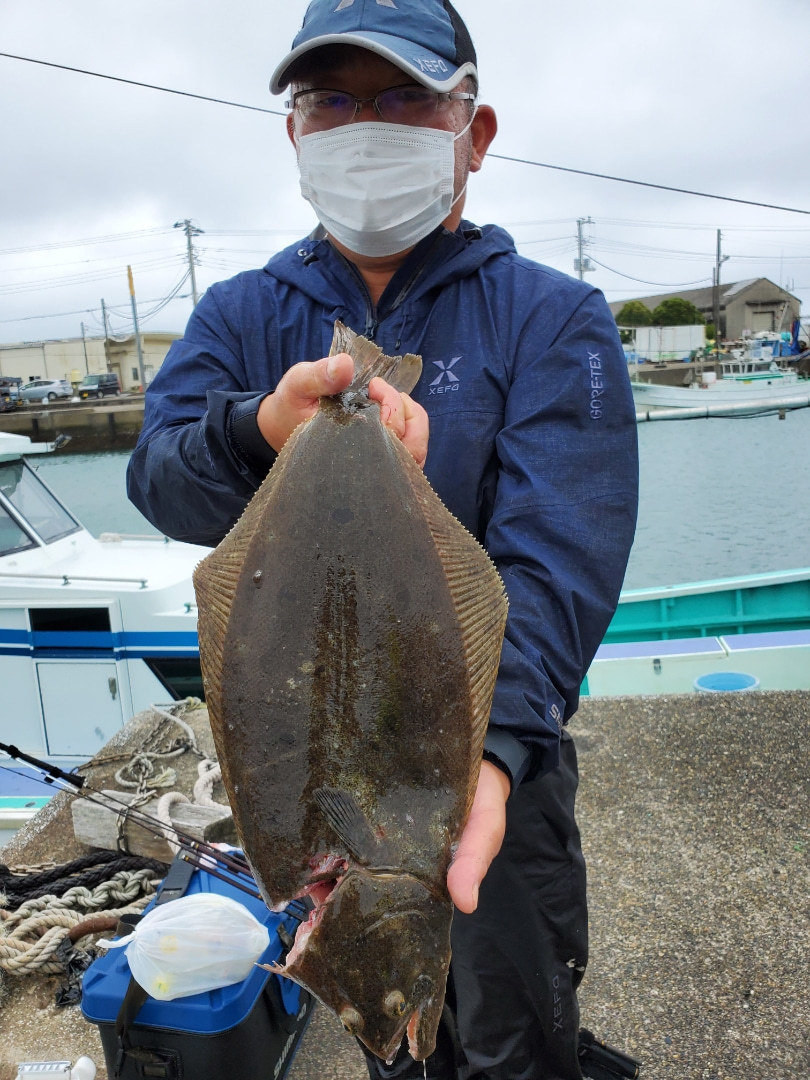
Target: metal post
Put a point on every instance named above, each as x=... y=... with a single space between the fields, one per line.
x=716 y=297
x=190 y=231
x=581 y=264
x=137 y=329
x=84 y=344
x=104 y=318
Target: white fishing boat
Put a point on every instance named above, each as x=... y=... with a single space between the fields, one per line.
x=92 y=630
x=748 y=383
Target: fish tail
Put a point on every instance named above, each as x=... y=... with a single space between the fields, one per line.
x=402 y=372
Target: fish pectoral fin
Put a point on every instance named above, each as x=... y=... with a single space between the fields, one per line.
x=342 y=811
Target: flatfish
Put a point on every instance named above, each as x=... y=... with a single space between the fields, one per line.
x=350 y=633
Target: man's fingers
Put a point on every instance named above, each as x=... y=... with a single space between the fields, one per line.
x=481 y=840
x=296 y=397
x=307 y=382
x=404 y=417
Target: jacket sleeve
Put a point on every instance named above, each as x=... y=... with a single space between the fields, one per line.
x=200 y=456
x=562 y=524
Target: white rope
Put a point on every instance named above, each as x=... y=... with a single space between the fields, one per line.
x=208 y=773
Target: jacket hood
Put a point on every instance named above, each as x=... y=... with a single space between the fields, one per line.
x=318 y=270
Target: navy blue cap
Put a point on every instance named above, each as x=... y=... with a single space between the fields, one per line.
x=426 y=38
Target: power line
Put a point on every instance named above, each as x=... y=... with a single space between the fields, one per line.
x=148 y=86
x=659 y=284
x=647 y=183
x=111 y=238
x=80 y=311
x=500 y=157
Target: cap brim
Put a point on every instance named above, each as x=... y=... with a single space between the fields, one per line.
x=425 y=66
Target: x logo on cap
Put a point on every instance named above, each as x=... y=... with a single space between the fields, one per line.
x=380 y=3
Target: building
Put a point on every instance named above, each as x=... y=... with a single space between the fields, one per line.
x=72 y=358
x=746 y=307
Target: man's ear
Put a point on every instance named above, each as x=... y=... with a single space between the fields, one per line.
x=291 y=128
x=483 y=130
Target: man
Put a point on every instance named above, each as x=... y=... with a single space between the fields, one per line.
x=532 y=446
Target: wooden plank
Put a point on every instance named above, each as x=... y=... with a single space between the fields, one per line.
x=108 y=826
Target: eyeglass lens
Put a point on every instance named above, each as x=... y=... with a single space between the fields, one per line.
x=399 y=105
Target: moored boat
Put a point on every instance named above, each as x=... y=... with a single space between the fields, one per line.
x=92 y=630
x=747 y=383
x=749 y=632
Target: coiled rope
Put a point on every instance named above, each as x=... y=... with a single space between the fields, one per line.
x=23 y=883
x=90 y=894
x=31 y=935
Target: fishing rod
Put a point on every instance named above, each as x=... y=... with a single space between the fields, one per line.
x=198 y=853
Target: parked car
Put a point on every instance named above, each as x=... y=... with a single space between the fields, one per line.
x=50 y=389
x=9 y=394
x=99 y=386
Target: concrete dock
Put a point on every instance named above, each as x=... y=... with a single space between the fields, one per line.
x=110 y=423
x=694 y=814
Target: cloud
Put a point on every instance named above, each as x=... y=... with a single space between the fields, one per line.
x=672 y=93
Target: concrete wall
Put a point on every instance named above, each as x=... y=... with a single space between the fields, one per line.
x=65 y=359
x=72 y=358
x=110 y=424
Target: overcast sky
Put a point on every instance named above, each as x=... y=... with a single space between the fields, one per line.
x=707 y=96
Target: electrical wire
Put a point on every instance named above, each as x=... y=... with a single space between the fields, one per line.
x=148 y=267
x=648 y=184
x=110 y=238
x=500 y=157
x=659 y=284
x=147 y=86
x=94 y=312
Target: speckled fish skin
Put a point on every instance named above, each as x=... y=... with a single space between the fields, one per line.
x=350 y=633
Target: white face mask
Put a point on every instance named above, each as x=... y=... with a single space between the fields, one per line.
x=379 y=188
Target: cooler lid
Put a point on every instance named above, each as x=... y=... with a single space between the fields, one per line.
x=210 y=1013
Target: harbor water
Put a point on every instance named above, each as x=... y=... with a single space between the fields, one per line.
x=719 y=497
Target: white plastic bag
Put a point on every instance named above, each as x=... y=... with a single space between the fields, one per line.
x=193 y=944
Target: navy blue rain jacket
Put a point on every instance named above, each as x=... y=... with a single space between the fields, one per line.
x=532 y=435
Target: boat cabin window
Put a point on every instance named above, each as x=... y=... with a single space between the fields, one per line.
x=59 y=620
x=12 y=537
x=34 y=502
x=180 y=675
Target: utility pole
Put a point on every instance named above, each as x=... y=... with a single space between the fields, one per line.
x=104 y=319
x=720 y=258
x=190 y=230
x=84 y=343
x=582 y=264
x=106 y=335
x=137 y=329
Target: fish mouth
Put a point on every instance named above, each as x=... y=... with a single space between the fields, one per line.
x=327 y=872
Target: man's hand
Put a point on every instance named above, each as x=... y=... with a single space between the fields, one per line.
x=296 y=398
x=482 y=838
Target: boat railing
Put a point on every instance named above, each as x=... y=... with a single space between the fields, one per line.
x=69 y=578
x=116 y=537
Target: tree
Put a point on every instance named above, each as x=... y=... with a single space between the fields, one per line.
x=677 y=312
x=634 y=313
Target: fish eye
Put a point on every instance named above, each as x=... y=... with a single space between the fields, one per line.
x=351 y=1020
x=394 y=1003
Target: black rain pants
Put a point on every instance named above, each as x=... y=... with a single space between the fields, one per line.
x=512 y=1010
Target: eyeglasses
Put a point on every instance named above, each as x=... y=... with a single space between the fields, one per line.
x=413 y=105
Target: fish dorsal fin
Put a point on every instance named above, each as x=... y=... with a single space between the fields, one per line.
x=479 y=598
x=341 y=810
x=402 y=372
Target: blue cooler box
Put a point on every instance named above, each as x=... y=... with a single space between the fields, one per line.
x=247 y=1031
